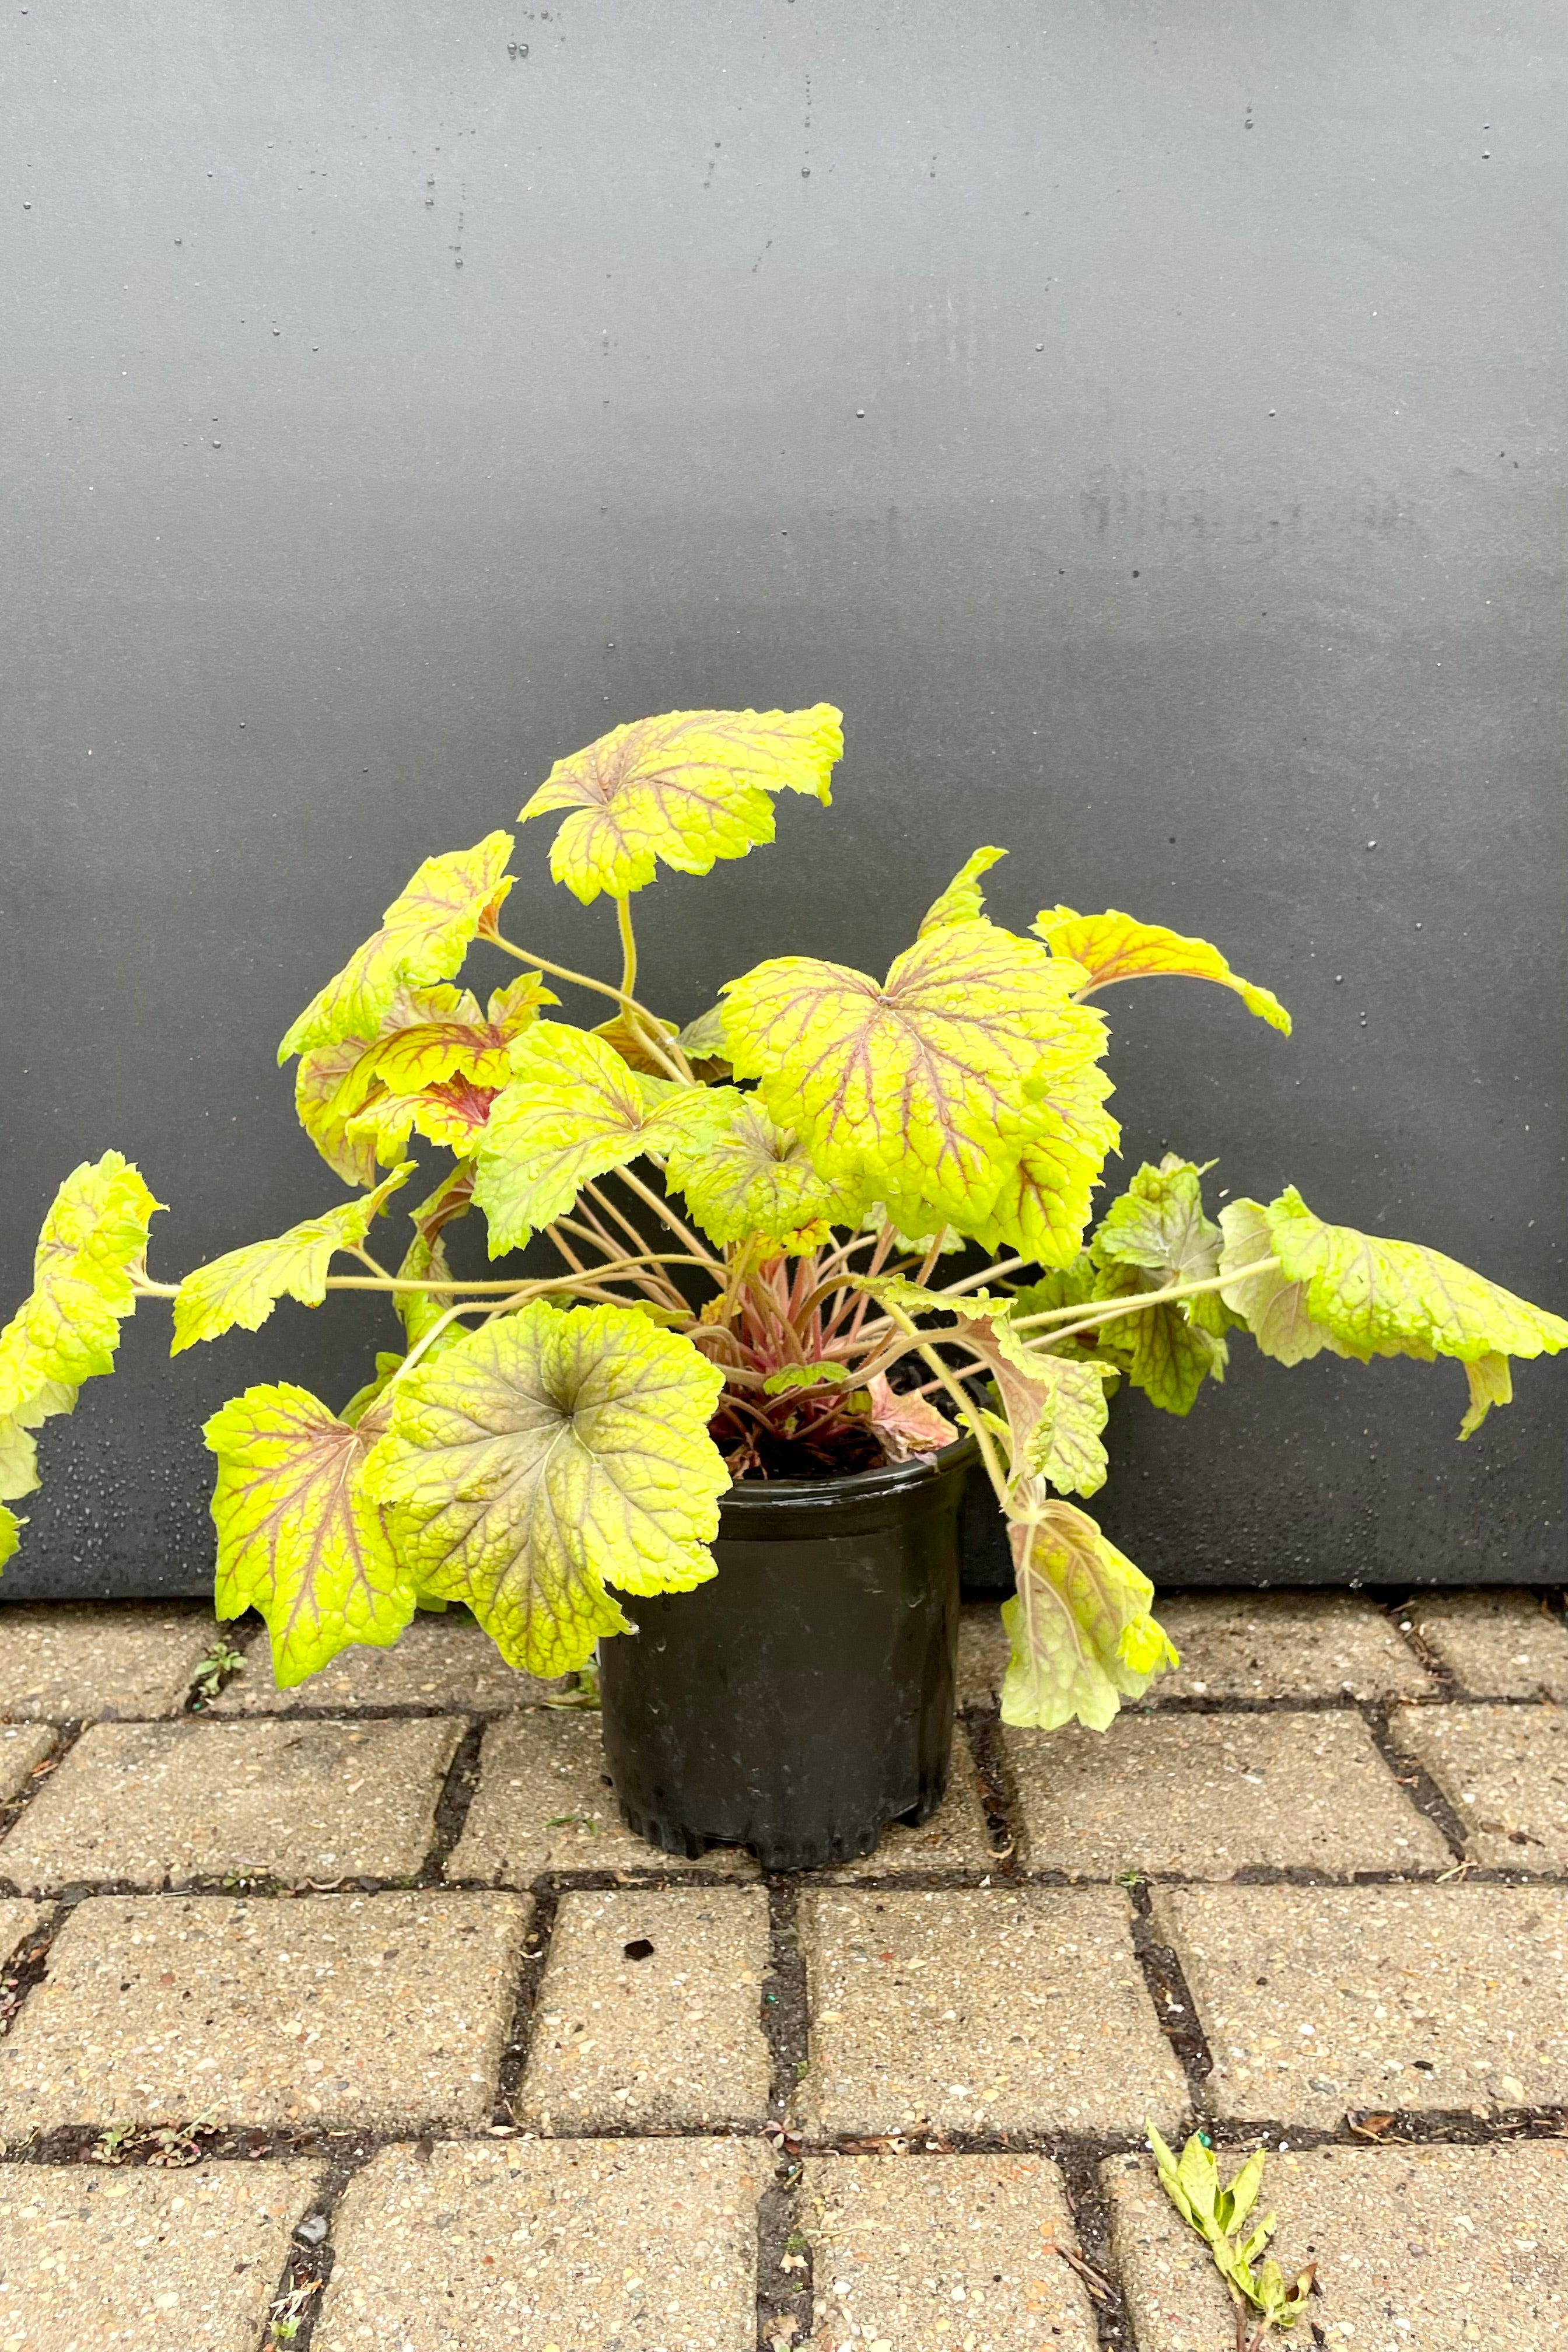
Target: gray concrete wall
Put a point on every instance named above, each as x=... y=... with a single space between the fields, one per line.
x=1143 y=421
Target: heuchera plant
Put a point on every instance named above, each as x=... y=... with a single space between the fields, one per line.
x=757 y=1219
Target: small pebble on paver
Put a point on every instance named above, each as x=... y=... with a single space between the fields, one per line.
x=148 y=1801
x=1499 y=1644
x=440 y=1660
x=993 y=2009
x=22 y=1746
x=1273 y=1645
x=1320 y=2001
x=983 y=1650
x=649 y=2012
x=1207 y=1795
x=912 y=2251
x=544 y=1803
x=956 y=1837
x=1419 y=2249
x=61 y=1661
x=189 y=2260
x=570 y=2245
x=340 y=2012
x=1504 y=1769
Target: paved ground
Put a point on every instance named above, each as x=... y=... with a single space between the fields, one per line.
x=352 y=2018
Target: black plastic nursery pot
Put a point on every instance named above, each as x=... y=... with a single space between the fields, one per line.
x=802 y=1699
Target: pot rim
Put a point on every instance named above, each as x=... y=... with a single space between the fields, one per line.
x=858 y=1487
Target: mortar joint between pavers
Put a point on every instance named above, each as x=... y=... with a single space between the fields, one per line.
x=458 y=1790
x=545 y=1904
x=1171 y=1997
x=1413 y=1776
x=999 y=1792
x=785 y=2000
x=1401 y=1615
x=27 y=1965
x=786 y=2299
x=197 y=1702
x=1079 y=2161
x=305 y=2265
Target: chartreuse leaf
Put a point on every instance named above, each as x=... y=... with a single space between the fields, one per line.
x=824 y=1374
x=572 y=1111
x=1154 y=1235
x=963 y=900
x=424 y=1260
x=299 y=1538
x=704 y=1044
x=688 y=788
x=1114 y=946
x=423 y=936
x=1043 y=1203
x=632 y=1042
x=920 y=1091
x=458 y=1043
x=245 y=1286
x=1363 y=1296
x=743 y=1175
x=332 y=1081
x=66 y=1329
x=455 y=1114
x=1054 y=1405
x=1082 y=1637
x=387 y=1364
x=452 y=1199
x=546 y=1457
x=10 y=1533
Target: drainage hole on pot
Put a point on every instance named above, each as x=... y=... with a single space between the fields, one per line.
x=640 y=1949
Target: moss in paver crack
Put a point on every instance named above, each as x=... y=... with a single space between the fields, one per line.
x=576 y=2243
x=981 y=2009
x=1324 y=2000
x=649 y=2012
x=1504 y=1771
x=1207 y=1795
x=386 y=2011
x=144 y=1802
x=1443 y=2248
x=181 y=2259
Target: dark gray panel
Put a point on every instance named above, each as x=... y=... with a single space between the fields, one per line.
x=1145 y=421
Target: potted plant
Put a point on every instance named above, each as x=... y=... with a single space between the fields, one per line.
x=817 y=1251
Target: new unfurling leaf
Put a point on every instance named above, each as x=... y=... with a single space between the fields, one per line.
x=1114 y=946
x=688 y=789
x=545 y=1457
x=923 y=1090
x=742 y=1175
x=425 y=934
x=243 y=1286
x=1082 y=1637
x=299 y=1538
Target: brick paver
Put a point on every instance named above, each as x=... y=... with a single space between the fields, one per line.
x=187 y=2259
x=16 y=1920
x=1323 y=2001
x=388 y=2011
x=143 y=1802
x=1422 y=2248
x=582 y=2245
x=440 y=1661
x=917 y=2251
x=1207 y=1795
x=1275 y=1646
x=62 y=1660
x=1499 y=1644
x=544 y=1804
x=1504 y=1769
x=22 y=1746
x=981 y=2008
x=669 y=2035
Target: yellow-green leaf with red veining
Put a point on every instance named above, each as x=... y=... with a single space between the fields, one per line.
x=686 y=788
x=924 y=1090
x=1114 y=946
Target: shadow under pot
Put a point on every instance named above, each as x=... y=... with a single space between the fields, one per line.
x=802 y=1700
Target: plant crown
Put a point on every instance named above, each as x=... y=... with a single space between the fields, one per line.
x=753 y=1216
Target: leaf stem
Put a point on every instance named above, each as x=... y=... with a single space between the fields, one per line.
x=662 y=1208
x=1062 y=1327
